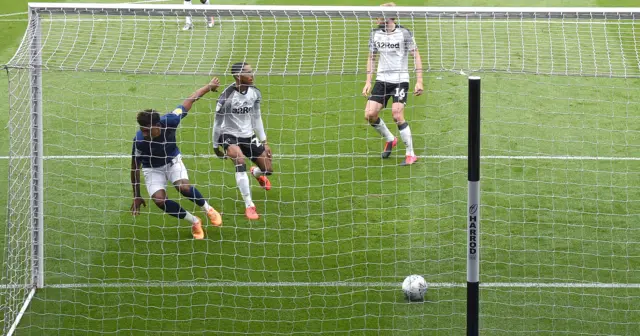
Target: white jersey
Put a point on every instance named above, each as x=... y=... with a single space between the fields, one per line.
x=238 y=114
x=393 y=49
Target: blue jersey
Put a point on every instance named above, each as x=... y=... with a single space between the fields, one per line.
x=162 y=149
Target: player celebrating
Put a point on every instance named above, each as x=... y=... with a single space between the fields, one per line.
x=393 y=43
x=155 y=149
x=188 y=24
x=237 y=117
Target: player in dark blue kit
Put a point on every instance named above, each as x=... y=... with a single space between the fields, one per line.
x=155 y=151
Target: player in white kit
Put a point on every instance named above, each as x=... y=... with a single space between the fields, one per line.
x=238 y=128
x=188 y=24
x=392 y=43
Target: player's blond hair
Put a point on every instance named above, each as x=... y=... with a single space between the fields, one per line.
x=388 y=4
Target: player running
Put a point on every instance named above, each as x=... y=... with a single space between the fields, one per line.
x=156 y=151
x=237 y=117
x=393 y=43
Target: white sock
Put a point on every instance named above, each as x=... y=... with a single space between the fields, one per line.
x=188 y=18
x=257 y=172
x=206 y=206
x=190 y=218
x=405 y=134
x=382 y=129
x=243 y=184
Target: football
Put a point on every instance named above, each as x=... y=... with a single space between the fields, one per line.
x=414 y=288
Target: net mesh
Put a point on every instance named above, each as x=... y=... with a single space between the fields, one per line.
x=341 y=228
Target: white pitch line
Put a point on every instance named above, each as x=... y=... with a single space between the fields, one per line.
x=134 y=2
x=14 y=14
x=347 y=156
x=182 y=284
x=25 y=305
x=148 y=1
x=173 y=18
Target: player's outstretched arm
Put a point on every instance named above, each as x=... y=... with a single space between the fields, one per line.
x=135 y=184
x=417 y=60
x=213 y=85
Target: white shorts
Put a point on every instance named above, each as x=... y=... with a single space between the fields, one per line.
x=156 y=178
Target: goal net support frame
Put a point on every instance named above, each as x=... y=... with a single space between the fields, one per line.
x=35 y=217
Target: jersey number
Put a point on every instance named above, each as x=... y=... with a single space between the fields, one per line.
x=400 y=93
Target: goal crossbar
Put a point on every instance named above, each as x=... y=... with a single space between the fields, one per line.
x=347 y=11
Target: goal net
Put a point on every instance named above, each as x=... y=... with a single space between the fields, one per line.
x=341 y=228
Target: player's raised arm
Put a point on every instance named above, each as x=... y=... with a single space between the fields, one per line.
x=212 y=86
x=135 y=182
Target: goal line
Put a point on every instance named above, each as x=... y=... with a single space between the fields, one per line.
x=182 y=284
x=320 y=156
x=179 y=19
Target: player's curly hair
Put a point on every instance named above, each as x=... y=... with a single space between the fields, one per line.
x=236 y=68
x=148 y=118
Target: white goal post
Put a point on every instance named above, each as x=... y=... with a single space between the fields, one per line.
x=341 y=228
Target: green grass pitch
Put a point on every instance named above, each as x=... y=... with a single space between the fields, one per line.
x=342 y=228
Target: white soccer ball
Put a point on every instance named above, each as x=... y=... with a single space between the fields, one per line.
x=414 y=287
